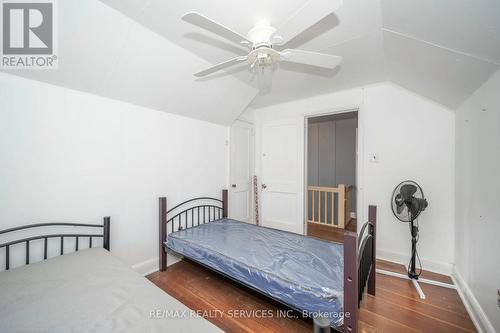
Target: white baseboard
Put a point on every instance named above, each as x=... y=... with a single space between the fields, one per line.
x=171 y=259
x=146 y=267
x=404 y=258
x=476 y=312
x=151 y=265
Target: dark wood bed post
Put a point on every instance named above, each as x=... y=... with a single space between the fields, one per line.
x=224 y=203
x=350 y=282
x=162 y=233
x=105 y=242
x=372 y=218
x=351 y=271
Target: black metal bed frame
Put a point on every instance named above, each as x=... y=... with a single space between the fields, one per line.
x=219 y=206
x=366 y=259
x=105 y=236
x=359 y=252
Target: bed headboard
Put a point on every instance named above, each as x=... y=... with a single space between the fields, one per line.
x=104 y=235
x=187 y=214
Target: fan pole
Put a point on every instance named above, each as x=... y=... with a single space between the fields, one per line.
x=412 y=274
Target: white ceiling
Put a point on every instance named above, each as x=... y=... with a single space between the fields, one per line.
x=441 y=49
x=104 y=52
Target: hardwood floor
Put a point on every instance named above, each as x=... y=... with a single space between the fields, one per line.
x=330 y=233
x=395 y=308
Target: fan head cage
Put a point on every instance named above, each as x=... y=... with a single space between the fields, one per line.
x=403 y=192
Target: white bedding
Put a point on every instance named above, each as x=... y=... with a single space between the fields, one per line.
x=88 y=291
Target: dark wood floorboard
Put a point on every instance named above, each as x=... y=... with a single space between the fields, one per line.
x=330 y=233
x=395 y=308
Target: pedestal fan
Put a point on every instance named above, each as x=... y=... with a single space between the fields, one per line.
x=407 y=203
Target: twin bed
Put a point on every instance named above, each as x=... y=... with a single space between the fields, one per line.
x=314 y=277
x=88 y=290
x=92 y=291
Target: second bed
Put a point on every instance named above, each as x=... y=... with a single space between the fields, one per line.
x=315 y=277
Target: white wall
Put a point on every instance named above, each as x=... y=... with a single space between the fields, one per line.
x=71 y=156
x=414 y=138
x=478 y=198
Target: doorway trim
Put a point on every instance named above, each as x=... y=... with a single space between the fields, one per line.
x=360 y=213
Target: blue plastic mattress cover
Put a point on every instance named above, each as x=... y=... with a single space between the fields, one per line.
x=305 y=273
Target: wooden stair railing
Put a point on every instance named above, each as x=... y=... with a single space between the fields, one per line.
x=330 y=206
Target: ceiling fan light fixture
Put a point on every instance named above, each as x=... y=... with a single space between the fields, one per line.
x=264 y=59
x=260 y=34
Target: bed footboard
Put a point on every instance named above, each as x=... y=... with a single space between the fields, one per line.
x=185 y=215
x=359 y=268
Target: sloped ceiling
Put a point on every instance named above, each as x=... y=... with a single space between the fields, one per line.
x=104 y=52
x=142 y=52
x=441 y=49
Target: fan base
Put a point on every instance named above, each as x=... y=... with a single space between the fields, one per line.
x=417 y=287
x=416 y=282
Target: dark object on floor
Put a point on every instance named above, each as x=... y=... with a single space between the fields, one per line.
x=321 y=325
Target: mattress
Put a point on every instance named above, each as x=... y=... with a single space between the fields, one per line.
x=305 y=273
x=89 y=291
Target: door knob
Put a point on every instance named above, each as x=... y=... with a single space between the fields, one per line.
x=233 y=185
x=264 y=186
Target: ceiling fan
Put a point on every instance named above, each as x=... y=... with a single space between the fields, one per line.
x=264 y=40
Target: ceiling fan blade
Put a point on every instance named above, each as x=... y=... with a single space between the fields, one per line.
x=311 y=58
x=306 y=16
x=220 y=66
x=204 y=22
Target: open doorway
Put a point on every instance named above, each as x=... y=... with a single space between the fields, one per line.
x=331 y=175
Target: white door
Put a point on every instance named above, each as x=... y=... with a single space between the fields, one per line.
x=240 y=174
x=282 y=175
